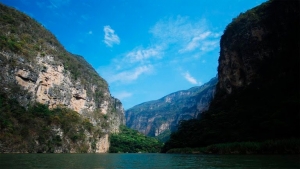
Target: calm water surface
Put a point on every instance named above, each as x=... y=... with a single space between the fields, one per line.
x=148 y=161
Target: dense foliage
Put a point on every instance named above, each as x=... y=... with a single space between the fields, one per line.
x=268 y=108
x=37 y=129
x=131 y=141
x=285 y=146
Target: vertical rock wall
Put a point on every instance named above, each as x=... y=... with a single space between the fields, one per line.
x=36 y=68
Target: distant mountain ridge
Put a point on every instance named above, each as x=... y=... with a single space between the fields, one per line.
x=160 y=117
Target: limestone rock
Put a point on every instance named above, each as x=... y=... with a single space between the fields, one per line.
x=40 y=70
x=164 y=115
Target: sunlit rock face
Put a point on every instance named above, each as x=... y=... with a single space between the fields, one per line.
x=41 y=70
x=52 y=86
x=160 y=116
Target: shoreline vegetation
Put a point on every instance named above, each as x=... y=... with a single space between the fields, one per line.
x=285 y=146
x=131 y=141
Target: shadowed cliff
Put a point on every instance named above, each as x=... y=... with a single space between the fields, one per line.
x=257 y=96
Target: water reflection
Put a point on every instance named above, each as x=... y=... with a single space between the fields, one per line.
x=148 y=161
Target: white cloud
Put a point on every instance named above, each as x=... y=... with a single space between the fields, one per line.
x=122 y=95
x=176 y=36
x=195 y=42
x=190 y=78
x=209 y=45
x=110 y=38
x=187 y=35
x=141 y=55
x=131 y=65
x=178 y=30
x=129 y=75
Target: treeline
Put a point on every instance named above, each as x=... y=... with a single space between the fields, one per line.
x=285 y=146
x=131 y=141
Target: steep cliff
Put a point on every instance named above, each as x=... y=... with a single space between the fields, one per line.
x=257 y=96
x=161 y=117
x=35 y=68
x=260 y=46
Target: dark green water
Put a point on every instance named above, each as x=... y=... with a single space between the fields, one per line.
x=147 y=161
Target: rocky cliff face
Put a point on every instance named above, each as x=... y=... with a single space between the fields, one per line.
x=253 y=46
x=36 y=68
x=257 y=96
x=162 y=116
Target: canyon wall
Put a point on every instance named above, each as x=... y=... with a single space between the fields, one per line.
x=35 y=68
x=257 y=95
x=161 y=117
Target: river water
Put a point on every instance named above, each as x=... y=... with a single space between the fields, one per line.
x=148 y=161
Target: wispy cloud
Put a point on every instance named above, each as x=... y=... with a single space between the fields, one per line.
x=209 y=45
x=190 y=78
x=142 y=55
x=122 y=95
x=110 y=38
x=186 y=35
x=127 y=76
x=131 y=65
x=180 y=37
x=195 y=42
x=173 y=30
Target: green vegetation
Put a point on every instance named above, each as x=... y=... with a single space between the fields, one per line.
x=22 y=36
x=287 y=146
x=164 y=136
x=27 y=45
x=131 y=141
x=37 y=129
x=268 y=107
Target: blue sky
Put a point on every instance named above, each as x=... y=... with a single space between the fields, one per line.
x=145 y=49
